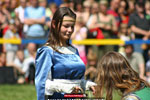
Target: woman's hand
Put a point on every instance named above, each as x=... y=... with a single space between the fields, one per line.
x=92 y=88
x=77 y=90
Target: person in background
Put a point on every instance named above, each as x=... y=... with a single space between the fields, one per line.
x=139 y=25
x=131 y=6
x=12 y=6
x=6 y=8
x=25 y=66
x=17 y=64
x=80 y=33
x=113 y=10
x=34 y=17
x=29 y=62
x=87 y=11
x=91 y=70
x=19 y=11
x=59 y=68
x=123 y=35
x=52 y=7
x=123 y=12
x=114 y=5
x=106 y=24
x=116 y=76
x=43 y=3
x=135 y=59
x=50 y=10
x=5 y=17
x=123 y=32
x=30 y=49
x=29 y=67
x=11 y=49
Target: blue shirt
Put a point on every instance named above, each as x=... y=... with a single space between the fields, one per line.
x=35 y=30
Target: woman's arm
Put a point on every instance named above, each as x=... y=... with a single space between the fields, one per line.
x=87 y=85
x=43 y=66
x=114 y=26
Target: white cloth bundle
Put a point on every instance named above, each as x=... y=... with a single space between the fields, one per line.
x=66 y=86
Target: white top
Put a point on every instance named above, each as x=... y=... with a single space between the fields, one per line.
x=20 y=11
x=18 y=63
x=26 y=65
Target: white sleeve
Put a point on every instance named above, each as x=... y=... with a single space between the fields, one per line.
x=25 y=65
x=89 y=21
x=52 y=86
x=48 y=84
x=87 y=84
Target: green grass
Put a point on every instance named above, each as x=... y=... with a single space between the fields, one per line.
x=17 y=92
x=26 y=92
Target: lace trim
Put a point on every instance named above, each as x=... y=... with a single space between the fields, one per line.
x=66 y=50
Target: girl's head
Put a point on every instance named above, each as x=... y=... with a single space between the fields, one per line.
x=123 y=28
x=123 y=8
x=20 y=55
x=34 y=3
x=94 y=8
x=62 y=26
x=103 y=6
x=53 y=7
x=23 y=3
x=114 y=72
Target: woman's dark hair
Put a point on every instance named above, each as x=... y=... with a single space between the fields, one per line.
x=115 y=73
x=54 y=37
x=127 y=5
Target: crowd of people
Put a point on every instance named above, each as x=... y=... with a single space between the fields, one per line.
x=77 y=20
x=98 y=19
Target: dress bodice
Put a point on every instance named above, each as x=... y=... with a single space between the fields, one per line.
x=67 y=66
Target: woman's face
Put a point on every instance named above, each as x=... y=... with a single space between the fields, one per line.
x=103 y=8
x=140 y=9
x=67 y=28
x=122 y=7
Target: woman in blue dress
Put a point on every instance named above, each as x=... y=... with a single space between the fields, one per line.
x=59 y=69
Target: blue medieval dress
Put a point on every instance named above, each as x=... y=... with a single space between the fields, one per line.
x=55 y=65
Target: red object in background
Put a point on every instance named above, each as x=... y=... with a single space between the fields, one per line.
x=125 y=20
x=99 y=33
x=5 y=29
